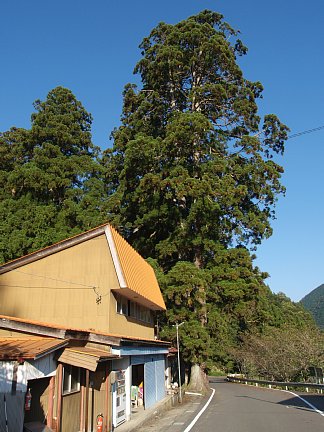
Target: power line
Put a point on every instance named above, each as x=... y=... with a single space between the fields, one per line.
x=44 y=287
x=57 y=280
x=305 y=132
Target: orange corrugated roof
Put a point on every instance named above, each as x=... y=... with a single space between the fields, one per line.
x=31 y=348
x=138 y=274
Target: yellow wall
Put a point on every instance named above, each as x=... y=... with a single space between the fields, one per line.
x=122 y=325
x=58 y=289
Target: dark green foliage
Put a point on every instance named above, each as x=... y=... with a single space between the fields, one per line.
x=193 y=181
x=314 y=303
x=50 y=177
x=188 y=163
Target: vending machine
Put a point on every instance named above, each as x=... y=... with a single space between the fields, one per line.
x=119 y=398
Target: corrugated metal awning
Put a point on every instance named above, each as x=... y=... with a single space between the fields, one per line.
x=28 y=348
x=85 y=357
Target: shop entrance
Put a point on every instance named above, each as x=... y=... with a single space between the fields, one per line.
x=137 y=389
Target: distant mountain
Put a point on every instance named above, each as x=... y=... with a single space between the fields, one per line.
x=314 y=303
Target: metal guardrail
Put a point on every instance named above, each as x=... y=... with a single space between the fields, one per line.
x=270 y=384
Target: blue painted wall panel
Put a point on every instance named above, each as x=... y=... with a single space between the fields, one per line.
x=137 y=359
x=160 y=377
x=149 y=384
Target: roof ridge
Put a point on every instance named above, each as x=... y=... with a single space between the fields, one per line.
x=70 y=241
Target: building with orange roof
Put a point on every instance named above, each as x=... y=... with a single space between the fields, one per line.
x=90 y=301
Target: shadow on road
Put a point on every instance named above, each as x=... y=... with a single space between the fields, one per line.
x=315 y=400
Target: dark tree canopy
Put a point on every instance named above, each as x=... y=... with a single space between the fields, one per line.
x=191 y=162
x=49 y=176
x=193 y=178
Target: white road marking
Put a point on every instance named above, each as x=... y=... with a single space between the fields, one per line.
x=194 y=421
x=306 y=402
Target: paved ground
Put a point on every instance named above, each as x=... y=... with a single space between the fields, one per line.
x=240 y=408
x=177 y=418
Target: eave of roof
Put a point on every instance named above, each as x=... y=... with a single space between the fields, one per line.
x=92 y=352
x=61 y=332
x=28 y=348
x=85 y=357
x=49 y=250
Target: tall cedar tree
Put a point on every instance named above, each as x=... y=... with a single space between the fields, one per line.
x=49 y=177
x=192 y=169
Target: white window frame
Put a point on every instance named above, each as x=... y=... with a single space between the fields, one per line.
x=67 y=376
x=122 y=302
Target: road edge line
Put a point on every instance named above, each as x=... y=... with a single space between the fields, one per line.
x=194 y=421
x=306 y=402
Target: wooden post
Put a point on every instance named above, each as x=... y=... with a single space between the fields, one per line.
x=49 y=420
x=107 y=389
x=86 y=414
x=59 y=397
x=82 y=404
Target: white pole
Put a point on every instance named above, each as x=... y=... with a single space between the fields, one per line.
x=179 y=367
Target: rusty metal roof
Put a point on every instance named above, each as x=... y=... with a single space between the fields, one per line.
x=85 y=357
x=95 y=352
x=28 y=348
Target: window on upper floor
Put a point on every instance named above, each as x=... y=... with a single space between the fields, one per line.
x=140 y=312
x=122 y=305
x=133 y=310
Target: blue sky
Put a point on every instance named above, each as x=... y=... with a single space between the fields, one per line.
x=92 y=47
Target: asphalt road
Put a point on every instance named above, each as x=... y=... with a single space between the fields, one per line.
x=240 y=408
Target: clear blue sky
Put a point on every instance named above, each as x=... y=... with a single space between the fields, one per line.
x=92 y=47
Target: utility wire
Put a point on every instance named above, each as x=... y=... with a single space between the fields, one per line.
x=57 y=280
x=45 y=287
x=305 y=132
x=80 y=285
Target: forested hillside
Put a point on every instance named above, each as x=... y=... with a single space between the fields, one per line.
x=314 y=303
